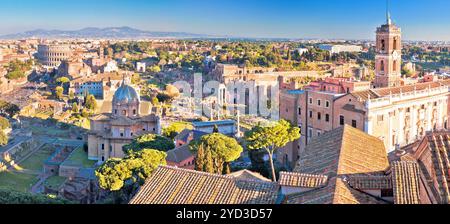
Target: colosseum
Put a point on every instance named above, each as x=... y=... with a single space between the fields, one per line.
x=51 y=55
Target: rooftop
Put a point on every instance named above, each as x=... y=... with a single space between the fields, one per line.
x=171 y=185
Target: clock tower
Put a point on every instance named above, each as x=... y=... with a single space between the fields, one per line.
x=388 y=57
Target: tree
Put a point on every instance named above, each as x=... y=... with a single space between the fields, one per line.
x=75 y=108
x=155 y=101
x=84 y=113
x=222 y=148
x=8 y=109
x=4 y=123
x=59 y=92
x=135 y=79
x=115 y=174
x=209 y=163
x=200 y=160
x=271 y=138
x=3 y=138
x=216 y=129
x=150 y=141
x=71 y=95
x=10 y=196
x=62 y=80
x=91 y=102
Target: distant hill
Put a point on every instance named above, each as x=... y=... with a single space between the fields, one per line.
x=109 y=32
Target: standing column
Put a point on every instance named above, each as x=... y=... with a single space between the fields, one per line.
x=401 y=128
x=429 y=114
x=391 y=131
x=368 y=127
x=440 y=118
x=413 y=132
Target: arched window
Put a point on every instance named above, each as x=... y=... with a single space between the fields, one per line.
x=395 y=44
x=382 y=66
x=395 y=66
x=383 y=45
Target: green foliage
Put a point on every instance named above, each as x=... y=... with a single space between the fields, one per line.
x=8 y=109
x=155 y=101
x=62 y=80
x=84 y=113
x=4 y=123
x=59 y=92
x=150 y=141
x=17 y=69
x=114 y=174
x=71 y=95
x=222 y=149
x=15 y=75
x=216 y=129
x=271 y=138
x=155 y=69
x=3 y=138
x=90 y=102
x=75 y=108
x=176 y=128
x=9 y=196
x=135 y=79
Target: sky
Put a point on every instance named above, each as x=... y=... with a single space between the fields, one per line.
x=333 y=19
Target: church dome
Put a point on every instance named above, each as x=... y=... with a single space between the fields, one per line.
x=126 y=94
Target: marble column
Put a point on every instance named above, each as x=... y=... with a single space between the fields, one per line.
x=440 y=118
x=413 y=130
x=401 y=128
x=429 y=115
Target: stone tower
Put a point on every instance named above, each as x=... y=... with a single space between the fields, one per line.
x=388 y=57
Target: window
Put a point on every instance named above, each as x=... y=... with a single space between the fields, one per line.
x=310 y=114
x=341 y=120
x=382 y=66
x=318 y=102
x=327 y=104
x=310 y=100
x=310 y=132
x=327 y=117
x=383 y=45
x=115 y=111
x=319 y=116
x=121 y=134
x=134 y=112
x=380 y=118
x=110 y=148
x=103 y=146
x=354 y=124
x=124 y=112
x=299 y=111
x=395 y=66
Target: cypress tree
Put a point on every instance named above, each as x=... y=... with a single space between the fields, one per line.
x=200 y=161
x=209 y=163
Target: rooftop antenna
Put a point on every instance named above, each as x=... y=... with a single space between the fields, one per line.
x=388 y=14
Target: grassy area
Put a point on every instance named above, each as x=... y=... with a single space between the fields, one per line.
x=18 y=181
x=79 y=158
x=54 y=182
x=49 y=131
x=36 y=161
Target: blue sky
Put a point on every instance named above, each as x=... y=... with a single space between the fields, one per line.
x=348 y=19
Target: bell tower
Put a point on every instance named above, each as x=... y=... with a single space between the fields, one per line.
x=388 y=57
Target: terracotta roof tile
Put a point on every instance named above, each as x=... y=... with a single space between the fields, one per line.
x=405 y=180
x=302 y=180
x=170 y=185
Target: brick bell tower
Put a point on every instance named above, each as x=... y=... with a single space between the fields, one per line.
x=388 y=57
